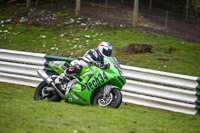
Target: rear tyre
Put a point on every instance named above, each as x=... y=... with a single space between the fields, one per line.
x=113 y=100
x=41 y=94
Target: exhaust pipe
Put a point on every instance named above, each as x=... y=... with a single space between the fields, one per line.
x=49 y=81
x=43 y=75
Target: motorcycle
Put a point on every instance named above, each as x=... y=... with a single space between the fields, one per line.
x=93 y=86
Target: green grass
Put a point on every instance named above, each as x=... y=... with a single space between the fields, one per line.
x=183 y=56
x=19 y=113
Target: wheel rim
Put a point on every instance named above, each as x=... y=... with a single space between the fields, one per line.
x=45 y=93
x=105 y=101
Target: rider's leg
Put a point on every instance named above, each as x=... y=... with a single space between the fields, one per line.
x=74 y=69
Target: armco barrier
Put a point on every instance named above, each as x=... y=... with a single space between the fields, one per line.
x=145 y=87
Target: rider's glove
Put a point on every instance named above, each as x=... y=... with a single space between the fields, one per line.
x=97 y=64
x=106 y=66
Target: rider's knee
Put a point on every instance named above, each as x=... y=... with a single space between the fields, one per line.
x=73 y=70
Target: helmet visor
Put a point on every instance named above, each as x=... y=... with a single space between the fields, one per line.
x=106 y=52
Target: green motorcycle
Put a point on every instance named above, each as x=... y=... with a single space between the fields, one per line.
x=93 y=86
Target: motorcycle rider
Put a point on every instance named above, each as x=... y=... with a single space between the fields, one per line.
x=93 y=56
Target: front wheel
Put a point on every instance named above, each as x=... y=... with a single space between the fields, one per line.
x=113 y=100
x=41 y=93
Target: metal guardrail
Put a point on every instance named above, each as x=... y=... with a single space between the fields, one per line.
x=145 y=87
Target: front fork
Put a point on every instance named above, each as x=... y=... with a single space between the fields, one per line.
x=106 y=90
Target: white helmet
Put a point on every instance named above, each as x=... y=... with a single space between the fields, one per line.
x=104 y=49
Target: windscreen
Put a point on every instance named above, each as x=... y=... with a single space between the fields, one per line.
x=116 y=64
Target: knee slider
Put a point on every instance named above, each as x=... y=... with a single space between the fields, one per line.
x=72 y=70
x=78 y=68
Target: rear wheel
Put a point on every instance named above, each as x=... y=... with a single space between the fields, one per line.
x=41 y=93
x=113 y=100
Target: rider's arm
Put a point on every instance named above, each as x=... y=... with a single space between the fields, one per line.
x=102 y=66
x=91 y=57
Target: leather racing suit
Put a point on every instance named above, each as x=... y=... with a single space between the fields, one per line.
x=90 y=57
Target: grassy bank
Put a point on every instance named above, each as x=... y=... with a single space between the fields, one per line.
x=21 y=114
x=169 y=54
x=47 y=29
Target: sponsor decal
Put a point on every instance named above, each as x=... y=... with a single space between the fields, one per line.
x=83 y=87
x=74 y=96
x=70 y=98
x=80 y=97
x=98 y=80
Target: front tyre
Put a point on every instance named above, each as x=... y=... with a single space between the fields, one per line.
x=41 y=93
x=113 y=100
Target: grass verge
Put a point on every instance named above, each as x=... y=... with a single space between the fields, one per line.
x=19 y=113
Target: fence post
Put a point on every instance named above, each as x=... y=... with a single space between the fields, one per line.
x=78 y=6
x=106 y=9
x=106 y=6
x=166 y=20
x=187 y=6
x=135 y=13
x=28 y=3
x=150 y=4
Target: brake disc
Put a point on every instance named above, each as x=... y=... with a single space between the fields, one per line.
x=105 y=101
